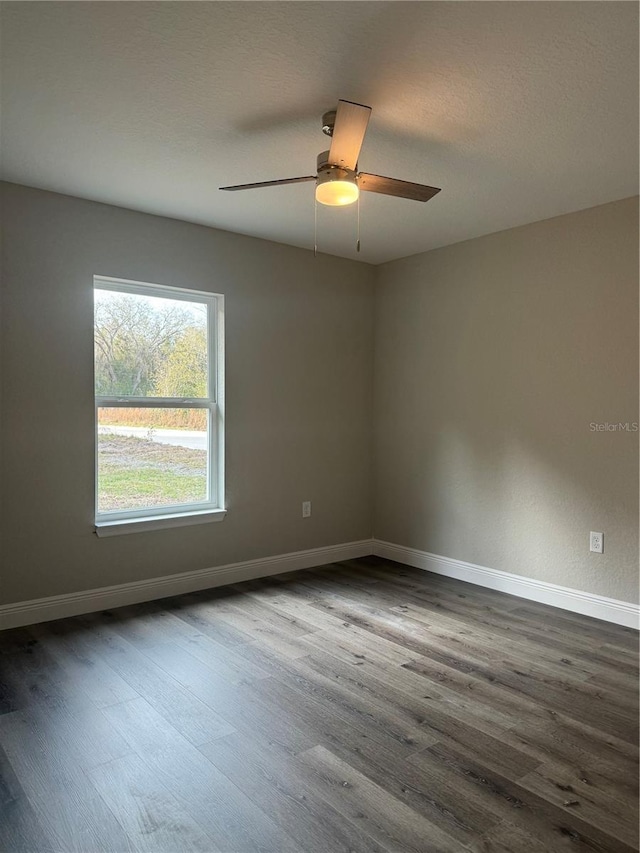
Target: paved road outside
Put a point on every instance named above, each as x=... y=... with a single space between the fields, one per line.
x=194 y=439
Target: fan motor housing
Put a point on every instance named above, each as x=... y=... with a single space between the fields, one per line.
x=329 y=172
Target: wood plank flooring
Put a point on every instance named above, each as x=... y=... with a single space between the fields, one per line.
x=364 y=707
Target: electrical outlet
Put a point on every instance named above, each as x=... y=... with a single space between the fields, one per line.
x=306 y=509
x=596 y=542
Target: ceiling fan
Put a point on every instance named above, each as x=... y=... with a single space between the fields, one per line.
x=338 y=181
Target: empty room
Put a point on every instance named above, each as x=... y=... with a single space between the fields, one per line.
x=319 y=427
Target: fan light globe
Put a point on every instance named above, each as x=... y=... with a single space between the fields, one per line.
x=337 y=193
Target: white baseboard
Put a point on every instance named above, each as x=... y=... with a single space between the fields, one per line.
x=92 y=600
x=609 y=609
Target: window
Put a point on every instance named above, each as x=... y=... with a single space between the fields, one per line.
x=159 y=406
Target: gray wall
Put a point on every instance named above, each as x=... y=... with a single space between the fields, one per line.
x=493 y=357
x=299 y=388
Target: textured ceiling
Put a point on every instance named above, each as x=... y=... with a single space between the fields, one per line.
x=518 y=110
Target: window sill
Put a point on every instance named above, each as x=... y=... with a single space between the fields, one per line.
x=157 y=522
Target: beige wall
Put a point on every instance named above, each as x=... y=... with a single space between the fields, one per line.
x=299 y=386
x=493 y=357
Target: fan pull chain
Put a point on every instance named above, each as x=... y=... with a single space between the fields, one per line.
x=315 y=228
x=358 y=235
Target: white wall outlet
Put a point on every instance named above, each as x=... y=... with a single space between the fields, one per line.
x=306 y=509
x=596 y=542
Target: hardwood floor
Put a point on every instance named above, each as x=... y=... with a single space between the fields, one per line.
x=363 y=707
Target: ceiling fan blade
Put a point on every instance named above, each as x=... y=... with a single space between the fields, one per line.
x=348 y=134
x=392 y=186
x=270 y=183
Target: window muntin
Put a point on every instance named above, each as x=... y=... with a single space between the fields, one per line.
x=158 y=360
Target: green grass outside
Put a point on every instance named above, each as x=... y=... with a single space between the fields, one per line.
x=134 y=473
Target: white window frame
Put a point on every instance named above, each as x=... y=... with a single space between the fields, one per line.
x=129 y=521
